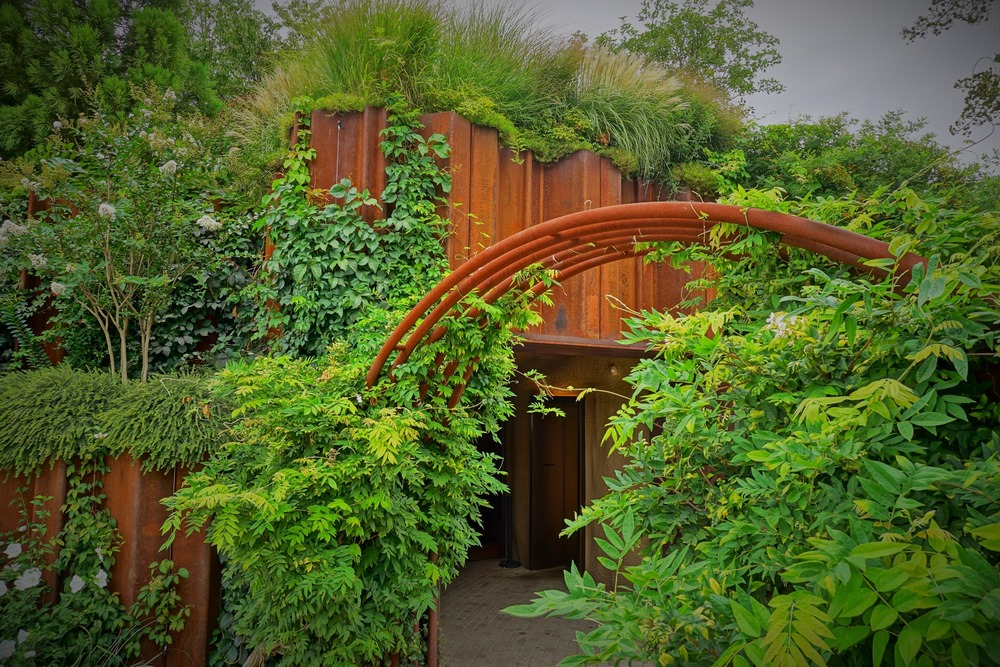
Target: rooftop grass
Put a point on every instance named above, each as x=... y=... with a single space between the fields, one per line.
x=495 y=66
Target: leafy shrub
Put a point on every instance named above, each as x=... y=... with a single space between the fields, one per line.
x=812 y=461
x=129 y=215
x=330 y=266
x=87 y=624
x=64 y=414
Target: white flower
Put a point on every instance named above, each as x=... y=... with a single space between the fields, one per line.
x=29 y=579
x=38 y=261
x=168 y=167
x=100 y=436
x=57 y=288
x=147 y=113
x=779 y=323
x=29 y=654
x=170 y=95
x=57 y=125
x=100 y=553
x=100 y=156
x=358 y=399
x=209 y=224
x=7 y=648
x=106 y=210
x=13 y=550
x=3 y=588
x=76 y=583
x=102 y=579
x=22 y=635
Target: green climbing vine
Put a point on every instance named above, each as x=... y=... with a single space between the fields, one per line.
x=331 y=267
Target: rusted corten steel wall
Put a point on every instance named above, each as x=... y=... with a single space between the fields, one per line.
x=134 y=502
x=497 y=193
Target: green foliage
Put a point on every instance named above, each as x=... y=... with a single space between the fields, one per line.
x=834 y=156
x=87 y=624
x=234 y=39
x=131 y=215
x=494 y=66
x=172 y=420
x=60 y=59
x=348 y=506
x=50 y=414
x=716 y=43
x=812 y=460
x=64 y=414
x=330 y=266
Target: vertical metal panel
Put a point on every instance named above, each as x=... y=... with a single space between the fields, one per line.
x=480 y=228
x=459 y=134
x=201 y=590
x=51 y=482
x=573 y=184
x=615 y=279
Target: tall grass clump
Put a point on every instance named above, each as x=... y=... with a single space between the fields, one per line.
x=490 y=63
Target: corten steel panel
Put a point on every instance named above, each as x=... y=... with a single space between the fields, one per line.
x=481 y=227
x=347 y=146
x=614 y=279
x=200 y=590
x=134 y=502
x=515 y=191
x=459 y=134
x=570 y=185
x=51 y=482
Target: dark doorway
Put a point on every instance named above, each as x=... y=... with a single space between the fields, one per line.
x=556 y=446
x=491 y=533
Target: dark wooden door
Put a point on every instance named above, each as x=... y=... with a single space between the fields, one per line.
x=555 y=484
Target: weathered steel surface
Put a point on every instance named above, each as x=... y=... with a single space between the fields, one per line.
x=594 y=229
x=497 y=193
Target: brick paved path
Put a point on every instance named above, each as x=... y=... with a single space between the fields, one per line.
x=475 y=634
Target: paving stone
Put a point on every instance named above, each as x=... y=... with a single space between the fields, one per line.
x=474 y=633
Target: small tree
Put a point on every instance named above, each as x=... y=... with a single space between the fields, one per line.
x=126 y=209
x=719 y=44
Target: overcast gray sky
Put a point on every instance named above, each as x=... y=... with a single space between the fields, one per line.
x=839 y=55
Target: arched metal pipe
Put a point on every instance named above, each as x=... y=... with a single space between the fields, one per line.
x=509 y=255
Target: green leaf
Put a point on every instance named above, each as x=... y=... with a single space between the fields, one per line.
x=909 y=644
x=905 y=429
x=882 y=617
x=858 y=602
x=848 y=636
x=879 y=641
x=889 y=478
x=888 y=580
x=879 y=549
x=988 y=536
x=745 y=620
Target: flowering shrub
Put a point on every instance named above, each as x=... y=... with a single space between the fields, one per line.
x=127 y=211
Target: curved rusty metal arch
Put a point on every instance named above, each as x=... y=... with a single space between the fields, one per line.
x=580 y=241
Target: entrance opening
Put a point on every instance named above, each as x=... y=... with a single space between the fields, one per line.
x=492 y=536
x=556 y=474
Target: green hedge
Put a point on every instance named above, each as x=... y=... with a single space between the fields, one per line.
x=62 y=413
